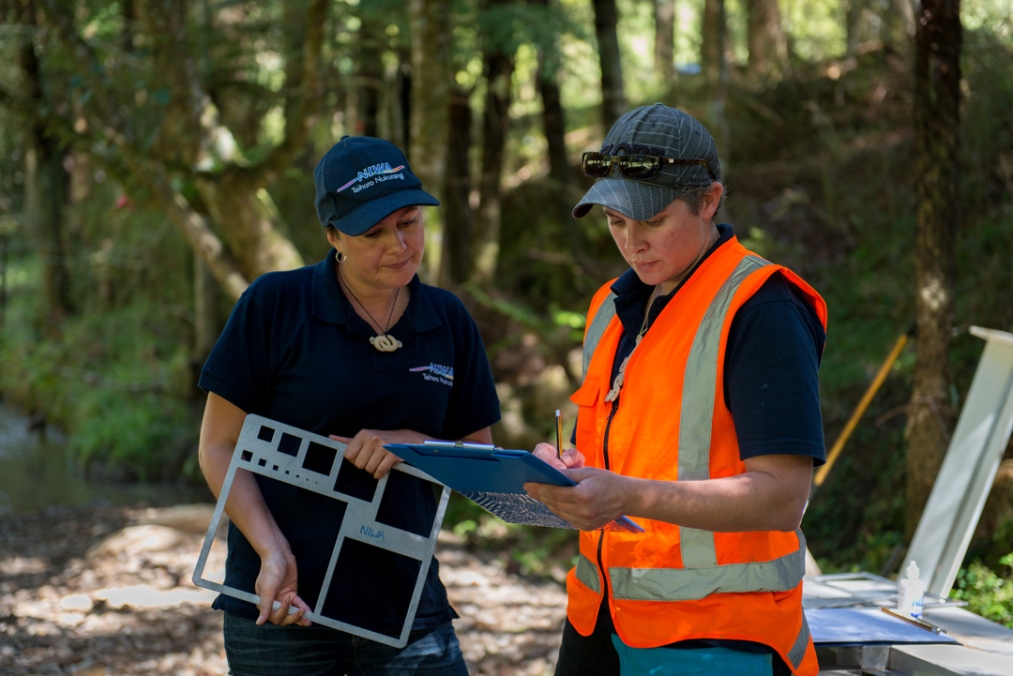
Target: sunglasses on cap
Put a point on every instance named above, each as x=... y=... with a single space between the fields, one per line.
x=633 y=167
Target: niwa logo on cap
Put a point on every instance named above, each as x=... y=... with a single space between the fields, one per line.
x=377 y=172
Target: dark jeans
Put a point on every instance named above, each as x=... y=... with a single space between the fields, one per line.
x=270 y=650
x=592 y=655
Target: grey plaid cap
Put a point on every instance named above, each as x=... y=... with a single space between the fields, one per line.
x=653 y=130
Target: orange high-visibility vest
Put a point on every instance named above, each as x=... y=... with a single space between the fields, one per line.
x=671 y=423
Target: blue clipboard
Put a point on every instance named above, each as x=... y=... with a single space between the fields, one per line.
x=494 y=478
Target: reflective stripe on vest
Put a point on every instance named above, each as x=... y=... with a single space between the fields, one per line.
x=606 y=311
x=698 y=394
x=700 y=575
x=797 y=652
x=688 y=584
x=587 y=573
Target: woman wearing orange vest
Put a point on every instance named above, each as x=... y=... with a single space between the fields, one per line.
x=698 y=417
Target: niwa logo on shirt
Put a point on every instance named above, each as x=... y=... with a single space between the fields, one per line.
x=436 y=373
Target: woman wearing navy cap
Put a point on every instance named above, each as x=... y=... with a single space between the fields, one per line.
x=357 y=348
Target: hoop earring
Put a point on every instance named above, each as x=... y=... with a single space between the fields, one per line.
x=339 y=257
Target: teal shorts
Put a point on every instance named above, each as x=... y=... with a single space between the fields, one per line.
x=604 y=654
x=690 y=661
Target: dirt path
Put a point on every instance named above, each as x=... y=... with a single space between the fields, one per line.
x=106 y=591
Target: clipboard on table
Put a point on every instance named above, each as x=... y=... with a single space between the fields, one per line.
x=494 y=478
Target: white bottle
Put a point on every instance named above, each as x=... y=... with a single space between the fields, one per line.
x=911 y=598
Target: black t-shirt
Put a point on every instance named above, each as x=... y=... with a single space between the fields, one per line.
x=772 y=360
x=294 y=351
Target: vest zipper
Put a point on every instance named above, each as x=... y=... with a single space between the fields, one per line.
x=605 y=435
x=601 y=531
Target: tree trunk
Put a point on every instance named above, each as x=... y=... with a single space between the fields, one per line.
x=664 y=42
x=613 y=98
x=899 y=27
x=936 y=123
x=560 y=171
x=180 y=134
x=236 y=202
x=712 y=46
x=857 y=14
x=432 y=78
x=714 y=57
x=402 y=123
x=127 y=35
x=173 y=156
x=46 y=211
x=553 y=116
x=195 y=229
x=554 y=126
x=232 y=196
x=499 y=69
x=371 y=44
x=768 y=52
x=456 y=257
x=206 y=327
x=47 y=187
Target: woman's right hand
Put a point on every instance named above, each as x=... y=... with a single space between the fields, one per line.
x=223 y=423
x=278 y=581
x=572 y=458
x=366 y=449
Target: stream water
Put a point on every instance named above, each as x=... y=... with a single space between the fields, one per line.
x=36 y=473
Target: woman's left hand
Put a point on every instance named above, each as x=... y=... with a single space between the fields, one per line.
x=365 y=450
x=599 y=497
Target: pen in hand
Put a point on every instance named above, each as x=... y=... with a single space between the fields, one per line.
x=559 y=435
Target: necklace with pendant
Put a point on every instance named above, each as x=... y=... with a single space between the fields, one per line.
x=383 y=341
x=617 y=384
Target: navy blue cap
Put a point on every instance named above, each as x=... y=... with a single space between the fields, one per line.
x=361 y=180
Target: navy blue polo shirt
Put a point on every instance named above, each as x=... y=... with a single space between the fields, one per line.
x=772 y=359
x=294 y=350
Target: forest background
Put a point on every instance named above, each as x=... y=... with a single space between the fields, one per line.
x=155 y=157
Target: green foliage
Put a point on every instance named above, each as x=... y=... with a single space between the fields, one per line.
x=988 y=593
x=519 y=312
x=145 y=436
x=117 y=376
x=547 y=258
x=818 y=168
x=12 y=175
x=504 y=27
x=551 y=332
x=816 y=30
x=820 y=179
x=297 y=217
x=123 y=392
x=856 y=519
x=545 y=26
